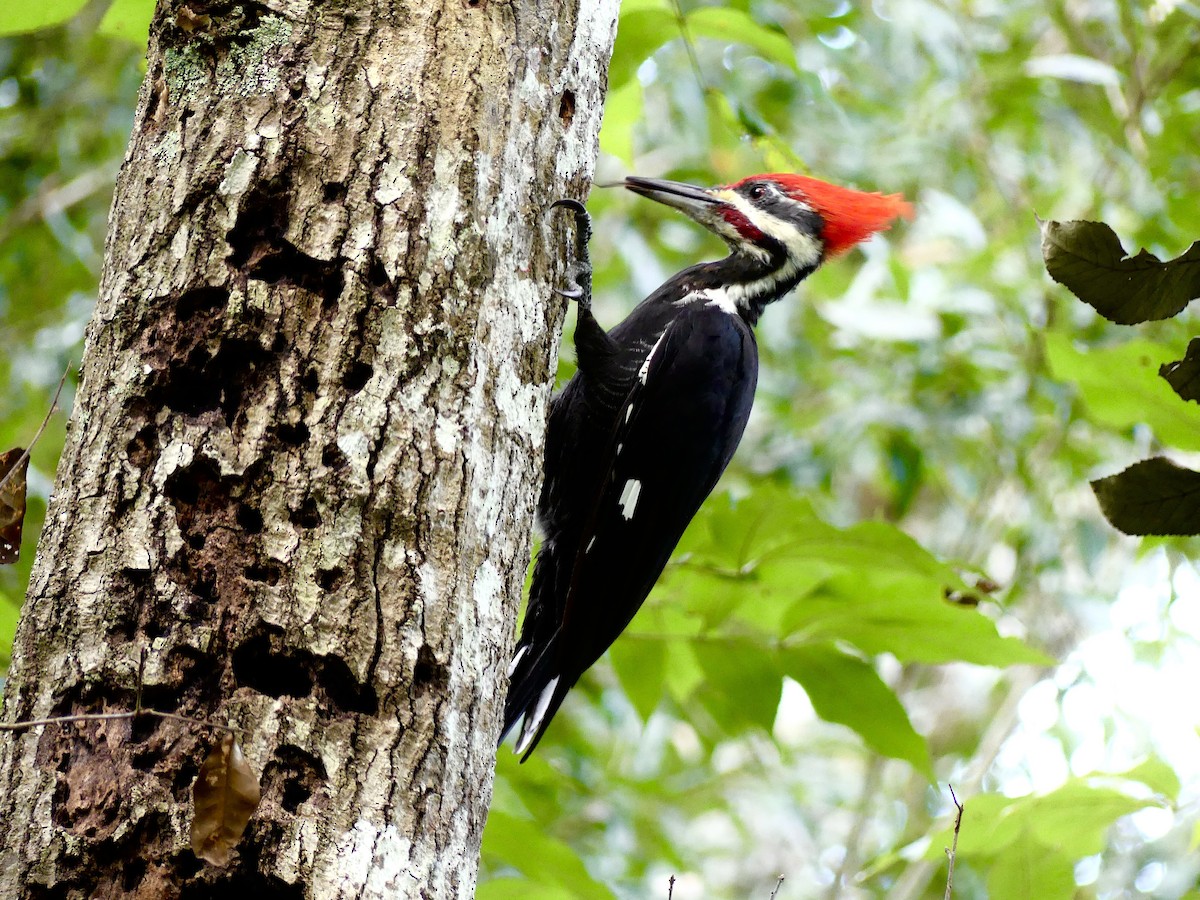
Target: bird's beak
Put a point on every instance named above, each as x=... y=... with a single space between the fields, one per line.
x=697 y=203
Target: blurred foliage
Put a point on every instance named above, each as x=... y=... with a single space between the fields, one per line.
x=939 y=385
x=66 y=107
x=799 y=690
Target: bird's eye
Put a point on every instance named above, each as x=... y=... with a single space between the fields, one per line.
x=758 y=192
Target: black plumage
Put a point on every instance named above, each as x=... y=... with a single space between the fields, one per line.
x=640 y=435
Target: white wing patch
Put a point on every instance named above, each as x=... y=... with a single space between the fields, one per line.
x=644 y=371
x=512 y=666
x=532 y=723
x=629 y=497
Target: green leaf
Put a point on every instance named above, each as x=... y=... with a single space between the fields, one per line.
x=683 y=672
x=1184 y=374
x=766 y=568
x=773 y=533
x=736 y=26
x=640 y=668
x=643 y=27
x=520 y=889
x=1156 y=775
x=1076 y=817
x=849 y=691
x=742 y=684
x=10 y=611
x=906 y=617
x=1073 y=819
x=19 y=16
x=1028 y=868
x=987 y=828
x=525 y=846
x=128 y=19
x=1088 y=259
x=532 y=789
x=1151 y=497
x=622 y=112
x=1029 y=845
x=1120 y=387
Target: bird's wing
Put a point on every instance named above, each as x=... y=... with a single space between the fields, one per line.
x=667 y=444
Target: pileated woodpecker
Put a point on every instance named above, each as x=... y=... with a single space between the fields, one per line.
x=640 y=435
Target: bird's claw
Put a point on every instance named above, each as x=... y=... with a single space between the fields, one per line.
x=579 y=287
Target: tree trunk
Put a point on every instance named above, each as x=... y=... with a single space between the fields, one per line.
x=305 y=449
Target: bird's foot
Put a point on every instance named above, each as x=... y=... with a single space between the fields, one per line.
x=579 y=270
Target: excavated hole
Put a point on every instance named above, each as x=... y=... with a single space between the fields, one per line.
x=249 y=519
x=268 y=574
x=332 y=457
x=294 y=435
x=296 y=774
x=379 y=280
x=142 y=448
x=307 y=516
x=566 y=108
x=329 y=578
x=428 y=673
x=265 y=665
x=345 y=690
x=134 y=872
x=357 y=376
x=262 y=664
x=258 y=248
x=243 y=882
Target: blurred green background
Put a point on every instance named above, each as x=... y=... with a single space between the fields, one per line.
x=797 y=693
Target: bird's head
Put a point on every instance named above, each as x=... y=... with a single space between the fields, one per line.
x=791 y=219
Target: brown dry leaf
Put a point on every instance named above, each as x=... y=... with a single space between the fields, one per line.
x=226 y=794
x=189 y=20
x=12 y=503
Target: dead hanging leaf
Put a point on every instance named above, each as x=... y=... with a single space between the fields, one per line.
x=1154 y=496
x=14 y=465
x=1184 y=374
x=1087 y=257
x=226 y=794
x=189 y=20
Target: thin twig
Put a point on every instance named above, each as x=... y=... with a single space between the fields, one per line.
x=45 y=421
x=111 y=717
x=862 y=815
x=670 y=887
x=137 y=698
x=54 y=201
x=953 y=849
x=778 y=885
x=913 y=881
x=136 y=712
x=681 y=20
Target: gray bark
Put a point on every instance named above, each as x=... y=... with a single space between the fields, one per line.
x=304 y=452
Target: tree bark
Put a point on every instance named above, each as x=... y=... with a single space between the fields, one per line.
x=305 y=448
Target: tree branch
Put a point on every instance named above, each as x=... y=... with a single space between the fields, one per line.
x=952 y=850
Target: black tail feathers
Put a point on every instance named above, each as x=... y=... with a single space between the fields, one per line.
x=535 y=692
